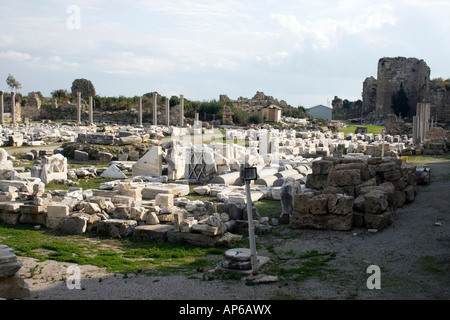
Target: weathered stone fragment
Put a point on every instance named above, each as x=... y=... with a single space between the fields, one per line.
x=322 y=222
x=74 y=225
x=376 y=202
x=116 y=228
x=342 y=178
x=153 y=232
x=378 y=221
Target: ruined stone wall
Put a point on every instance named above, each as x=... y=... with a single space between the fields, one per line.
x=256 y=103
x=31 y=107
x=354 y=192
x=413 y=73
x=439 y=100
x=7 y=107
x=343 y=111
x=369 y=95
x=174 y=113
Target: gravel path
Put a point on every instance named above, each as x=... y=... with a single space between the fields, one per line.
x=413 y=255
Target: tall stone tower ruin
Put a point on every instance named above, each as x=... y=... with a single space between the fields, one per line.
x=369 y=95
x=412 y=73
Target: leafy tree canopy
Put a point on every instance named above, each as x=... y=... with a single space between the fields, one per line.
x=12 y=83
x=400 y=104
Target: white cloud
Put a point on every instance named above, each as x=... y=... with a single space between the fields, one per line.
x=6 y=40
x=57 y=63
x=273 y=59
x=325 y=33
x=36 y=62
x=15 y=55
x=128 y=63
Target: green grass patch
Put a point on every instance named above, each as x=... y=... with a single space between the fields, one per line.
x=119 y=255
x=311 y=264
x=268 y=208
x=438 y=268
x=89 y=183
x=370 y=129
x=422 y=160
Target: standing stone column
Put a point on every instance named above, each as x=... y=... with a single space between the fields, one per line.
x=78 y=107
x=415 y=130
x=423 y=122
x=167 y=112
x=426 y=120
x=181 y=110
x=2 y=117
x=419 y=123
x=13 y=107
x=155 y=109
x=91 y=111
x=140 y=111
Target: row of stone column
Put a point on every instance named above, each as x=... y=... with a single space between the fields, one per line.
x=155 y=110
x=13 y=108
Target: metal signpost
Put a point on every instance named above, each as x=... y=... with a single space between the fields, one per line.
x=249 y=174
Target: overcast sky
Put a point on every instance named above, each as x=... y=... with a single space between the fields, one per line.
x=304 y=52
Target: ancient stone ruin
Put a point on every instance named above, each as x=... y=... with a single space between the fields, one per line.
x=393 y=74
x=324 y=179
x=354 y=192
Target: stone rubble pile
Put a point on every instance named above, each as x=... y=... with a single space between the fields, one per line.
x=38 y=134
x=354 y=191
x=324 y=180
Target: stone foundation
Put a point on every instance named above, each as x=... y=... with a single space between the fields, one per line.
x=354 y=191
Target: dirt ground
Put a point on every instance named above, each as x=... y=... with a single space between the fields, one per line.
x=413 y=255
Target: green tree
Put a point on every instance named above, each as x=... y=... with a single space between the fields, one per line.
x=61 y=94
x=240 y=117
x=299 y=113
x=400 y=104
x=12 y=83
x=255 y=118
x=174 y=101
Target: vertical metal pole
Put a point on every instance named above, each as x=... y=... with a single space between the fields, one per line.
x=251 y=230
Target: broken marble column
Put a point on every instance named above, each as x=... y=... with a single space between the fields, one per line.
x=181 y=110
x=140 y=111
x=91 y=111
x=13 y=107
x=78 y=107
x=155 y=109
x=2 y=117
x=415 y=131
x=167 y=112
x=423 y=121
